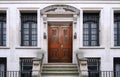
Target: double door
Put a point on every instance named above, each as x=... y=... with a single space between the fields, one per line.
x=59 y=43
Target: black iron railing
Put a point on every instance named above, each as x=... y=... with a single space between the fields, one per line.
x=29 y=73
x=95 y=72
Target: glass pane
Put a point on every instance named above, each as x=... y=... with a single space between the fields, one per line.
x=118 y=24
x=34 y=37
x=85 y=37
x=93 y=31
x=93 y=25
x=26 y=25
x=0 y=43
x=34 y=43
x=86 y=25
x=34 y=31
x=2 y=68
x=115 y=25
x=4 y=43
x=92 y=68
x=86 y=43
x=86 y=31
x=115 y=43
x=94 y=37
x=117 y=68
x=27 y=68
x=34 y=25
x=4 y=37
x=0 y=24
x=26 y=43
x=115 y=31
x=26 y=31
x=4 y=31
x=115 y=37
x=4 y=25
x=26 y=37
x=119 y=32
x=93 y=43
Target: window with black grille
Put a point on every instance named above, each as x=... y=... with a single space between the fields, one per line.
x=94 y=67
x=2 y=29
x=28 y=29
x=117 y=67
x=117 y=29
x=91 y=29
x=26 y=67
x=3 y=66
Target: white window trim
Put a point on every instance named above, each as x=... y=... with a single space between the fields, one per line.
x=7 y=28
x=100 y=10
x=18 y=30
x=112 y=27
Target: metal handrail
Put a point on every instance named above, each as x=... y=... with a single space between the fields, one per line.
x=28 y=73
x=41 y=62
x=78 y=64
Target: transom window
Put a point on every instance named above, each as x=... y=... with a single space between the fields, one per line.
x=91 y=29
x=28 y=29
x=2 y=29
x=117 y=29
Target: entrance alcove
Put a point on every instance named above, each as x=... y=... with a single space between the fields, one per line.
x=59 y=22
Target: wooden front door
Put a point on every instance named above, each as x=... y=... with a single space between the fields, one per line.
x=60 y=43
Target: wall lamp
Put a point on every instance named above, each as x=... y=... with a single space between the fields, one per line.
x=75 y=35
x=44 y=35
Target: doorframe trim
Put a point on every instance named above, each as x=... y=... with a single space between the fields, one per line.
x=60 y=11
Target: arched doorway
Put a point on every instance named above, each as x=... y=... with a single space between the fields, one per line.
x=59 y=20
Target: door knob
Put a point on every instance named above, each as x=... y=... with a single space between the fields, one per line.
x=61 y=46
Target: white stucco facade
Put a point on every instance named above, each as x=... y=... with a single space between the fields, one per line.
x=106 y=51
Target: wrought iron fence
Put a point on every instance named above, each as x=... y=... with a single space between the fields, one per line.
x=104 y=73
x=15 y=73
x=29 y=73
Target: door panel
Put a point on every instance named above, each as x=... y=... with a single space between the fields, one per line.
x=53 y=43
x=59 y=44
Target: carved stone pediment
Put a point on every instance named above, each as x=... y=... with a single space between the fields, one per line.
x=60 y=9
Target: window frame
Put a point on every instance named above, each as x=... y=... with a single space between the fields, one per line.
x=3 y=20
x=90 y=21
x=116 y=60
x=97 y=64
x=29 y=21
x=3 y=62
x=23 y=64
x=117 y=35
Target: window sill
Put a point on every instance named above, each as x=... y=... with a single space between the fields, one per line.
x=4 y=47
x=96 y=47
x=28 y=47
x=117 y=47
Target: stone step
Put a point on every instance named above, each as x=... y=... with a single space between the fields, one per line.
x=59 y=70
x=56 y=65
x=60 y=76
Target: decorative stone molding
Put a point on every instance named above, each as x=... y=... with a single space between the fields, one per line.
x=83 y=67
x=44 y=17
x=75 y=19
x=60 y=9
x=36 y=70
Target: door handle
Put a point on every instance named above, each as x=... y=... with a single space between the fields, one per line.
x=61 y=46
